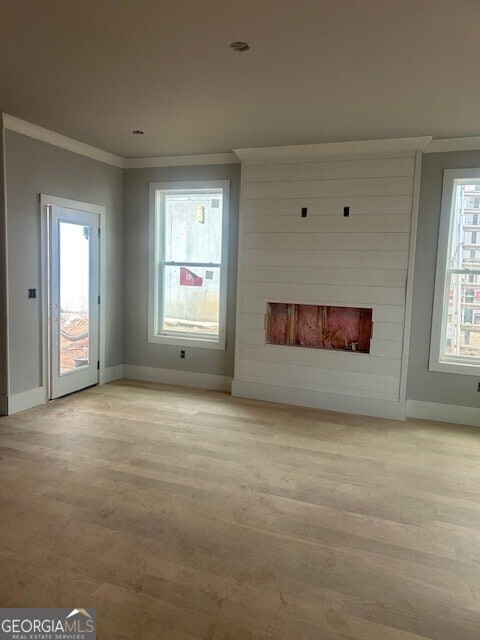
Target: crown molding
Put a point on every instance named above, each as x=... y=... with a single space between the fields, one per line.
x=179 y=161
x=441 y=145
x=328 y=149
x=58 y=140
x=427 y=144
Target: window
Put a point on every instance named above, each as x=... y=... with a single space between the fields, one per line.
x=188 y=263
x=455 y=344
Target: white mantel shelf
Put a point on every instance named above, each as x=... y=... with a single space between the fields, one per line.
x=333 y=149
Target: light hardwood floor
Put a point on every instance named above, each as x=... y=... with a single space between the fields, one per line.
x=188 y=515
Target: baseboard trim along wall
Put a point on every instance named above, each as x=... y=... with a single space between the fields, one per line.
x=25 y=400
x=173 y=376
x=451 y=413
x=109 y=374
x=320 y=400
x=34 y=397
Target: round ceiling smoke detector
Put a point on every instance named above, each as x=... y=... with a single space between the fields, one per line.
x=137 y=132
x=240 y=47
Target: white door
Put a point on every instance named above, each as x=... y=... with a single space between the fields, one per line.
x=74 y=300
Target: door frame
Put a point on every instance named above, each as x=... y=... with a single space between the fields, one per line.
x=45 y=201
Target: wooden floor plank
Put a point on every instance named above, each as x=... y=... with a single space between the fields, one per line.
x=191 y=515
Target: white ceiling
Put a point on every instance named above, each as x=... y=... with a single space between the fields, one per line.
x=318 y=71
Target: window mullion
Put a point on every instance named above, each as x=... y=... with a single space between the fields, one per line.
x=464 y=271
x=185 y=263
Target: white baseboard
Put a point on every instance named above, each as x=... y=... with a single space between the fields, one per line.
x=173 y=376
x=453 y=413
x=320 y=400
x=109 y=374
x=26 y=400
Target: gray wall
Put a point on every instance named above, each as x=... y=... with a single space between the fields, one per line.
x=422 y=384
x=34 y=167
x=137 y=349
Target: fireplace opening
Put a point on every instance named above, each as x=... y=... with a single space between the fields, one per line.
x=319 y=326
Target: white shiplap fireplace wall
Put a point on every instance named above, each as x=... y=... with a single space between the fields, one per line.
x=364 y=260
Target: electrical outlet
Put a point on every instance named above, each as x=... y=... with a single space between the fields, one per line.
x=182 y=354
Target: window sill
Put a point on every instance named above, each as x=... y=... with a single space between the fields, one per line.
x=179 y=341
x=455 y=367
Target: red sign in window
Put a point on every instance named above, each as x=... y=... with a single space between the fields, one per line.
x=189 y=279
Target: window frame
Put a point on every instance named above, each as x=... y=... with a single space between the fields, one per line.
x=438 y=361
x=156 y=259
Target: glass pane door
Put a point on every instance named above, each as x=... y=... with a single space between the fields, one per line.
x=74 y=335
x=74 y=310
